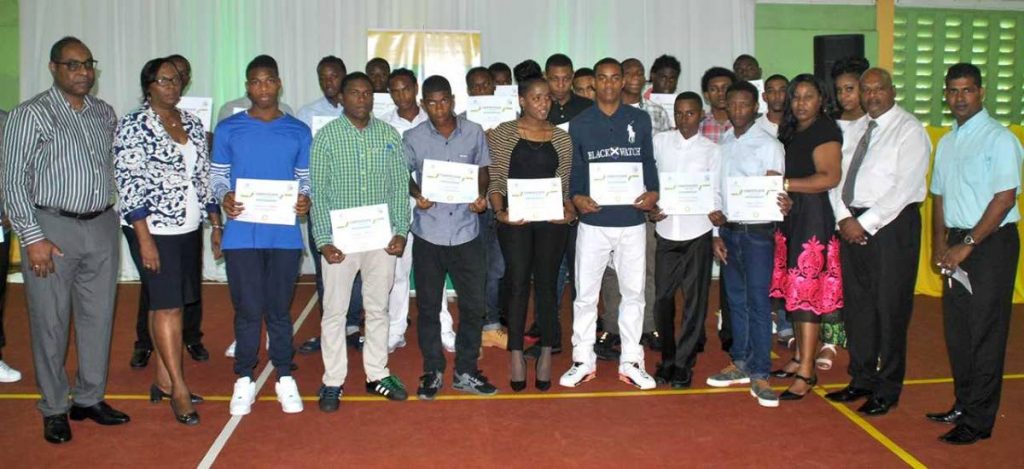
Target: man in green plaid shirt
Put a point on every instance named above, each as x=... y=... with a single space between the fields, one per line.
x=357 y=161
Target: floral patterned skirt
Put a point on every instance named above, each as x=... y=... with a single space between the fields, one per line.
x=806 y=273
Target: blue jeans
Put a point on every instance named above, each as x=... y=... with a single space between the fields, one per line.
x=748 y=274
x=355 y=307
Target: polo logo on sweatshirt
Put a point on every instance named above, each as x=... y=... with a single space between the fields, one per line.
x=631 y=133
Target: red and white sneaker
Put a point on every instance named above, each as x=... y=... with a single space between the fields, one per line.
x=633 y=373
x=579 y=373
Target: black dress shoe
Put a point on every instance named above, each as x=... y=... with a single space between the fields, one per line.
x=950 y=417
x=682 y=378
x=652 y=340
x=877 y=406
x=604 y=348
x=198 y=352
x=56 y=429
x=663 y=373
x=156 y=395
x=188 y=418
x=100 y=413
x=140 y=358
x=848 y=394
x=964 y=435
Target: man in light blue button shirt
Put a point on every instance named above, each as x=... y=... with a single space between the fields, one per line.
x=975 y=184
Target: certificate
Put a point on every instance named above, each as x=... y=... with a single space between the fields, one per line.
x=686 y=193
x=506 y=90
x=267 y=201
x=616 y=183
x=753 y=198
x=319 y=122
x=489 y=111
x=450 y=183
x=382 y=104
x=535 y=199
x=236 y=110
x=668 y=103
x=201 y=107
x=361 y=229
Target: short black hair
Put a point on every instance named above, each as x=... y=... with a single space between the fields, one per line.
x=525 y=70
x=435 y=84
x=498 y=67
x=353 y=77
x=746 y=57
x=715 y=72
x=402 y=72
x=854 y=65
x=149 y=74
x=378 y=61
x=632 y=60
x=332 y=60
x=666 y=61
x=777 y=76
x=558 y=60
x=964 y=70
x=58 y=47
x=179 y=57
x=743 y=86
x=583 y=72
x=475 y=70
x=262 y=61
x=690 y=96
x=607 y=61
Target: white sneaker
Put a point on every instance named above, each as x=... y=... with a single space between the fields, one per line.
x=243 y=397
x=8 y=374
x=288 y=395
x=448 y=341
x=633 y=373
x=230 y=352
x=395 y=343
x=579 y=373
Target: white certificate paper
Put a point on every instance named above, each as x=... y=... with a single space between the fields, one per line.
x=668 y=103
x=506 y=90
x=361 y=229
x=535 y=199
x=201 y=107
x=686 y=193
x=319 y=122
x=489 y=111
x=616 y=183
x=450 y=183
x=382 y=104
x=753 y=198
x=267 y=201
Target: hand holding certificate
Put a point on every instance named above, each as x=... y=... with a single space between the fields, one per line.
x=535 y=199
x=489 y=111
x=753 y=198
x=267 y=201
x=450 y=183
x=616 y=183
x=686 y=193
x=361 y=229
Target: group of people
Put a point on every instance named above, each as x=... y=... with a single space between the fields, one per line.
x=853 y=176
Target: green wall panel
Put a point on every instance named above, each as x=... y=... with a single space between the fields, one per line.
x=9 y=43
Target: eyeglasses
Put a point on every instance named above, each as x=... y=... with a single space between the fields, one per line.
x=74 y=65
x=164 y=81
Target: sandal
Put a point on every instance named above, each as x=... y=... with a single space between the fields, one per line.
x=788 y=395
x=823 y=363
x=782 y=373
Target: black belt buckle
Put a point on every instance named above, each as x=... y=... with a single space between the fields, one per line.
x=76 y=216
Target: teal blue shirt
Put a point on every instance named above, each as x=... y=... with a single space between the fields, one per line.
x=974 y=162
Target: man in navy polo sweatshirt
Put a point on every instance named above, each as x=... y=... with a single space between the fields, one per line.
x=605 y=134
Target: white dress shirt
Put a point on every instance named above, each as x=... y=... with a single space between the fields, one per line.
x=767 y=125
x=893 y=172
x=400 y=124
x=319 y=107
x=752 y=154
x=675 y=154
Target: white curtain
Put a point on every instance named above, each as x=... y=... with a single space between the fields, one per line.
x=220 y=37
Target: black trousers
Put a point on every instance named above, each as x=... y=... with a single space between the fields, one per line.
x=685 y=264
x=466 y=265
x=532 y=250
x=977 y=324
x=5 y=264
x=192 y=316
x=878 y=291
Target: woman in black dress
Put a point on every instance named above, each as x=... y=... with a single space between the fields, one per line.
x=806 y=273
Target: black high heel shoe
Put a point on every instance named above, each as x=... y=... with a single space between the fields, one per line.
x=190 y=419
x=544 y=357
x=156 y=395
x=518 y=386
x=782 y=373
x=787 y=395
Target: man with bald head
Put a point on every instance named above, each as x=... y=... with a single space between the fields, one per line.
x=877 y=204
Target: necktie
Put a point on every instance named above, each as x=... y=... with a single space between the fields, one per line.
x=858 y=159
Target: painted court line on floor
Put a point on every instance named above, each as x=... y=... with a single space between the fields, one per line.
x=229 y=428
x=873 y=432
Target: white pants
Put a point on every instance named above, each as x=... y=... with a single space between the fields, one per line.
x=624 y=247
x=398 y=302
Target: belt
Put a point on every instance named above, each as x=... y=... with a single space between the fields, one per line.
x=732 y=226
x=858 y=211
x=958 y=234
x=76 y=216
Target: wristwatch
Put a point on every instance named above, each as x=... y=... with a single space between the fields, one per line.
x=969 y=240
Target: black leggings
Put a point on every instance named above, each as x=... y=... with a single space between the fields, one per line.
x=534 y=249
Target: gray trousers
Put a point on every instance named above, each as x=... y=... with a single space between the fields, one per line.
x=611 y=297
x=85 y=281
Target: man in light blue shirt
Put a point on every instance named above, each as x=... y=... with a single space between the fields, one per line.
x=975 y=183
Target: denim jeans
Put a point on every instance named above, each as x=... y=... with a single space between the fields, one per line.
x=748 y=273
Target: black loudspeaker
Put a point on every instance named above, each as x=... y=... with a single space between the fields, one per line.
x=832 y=48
